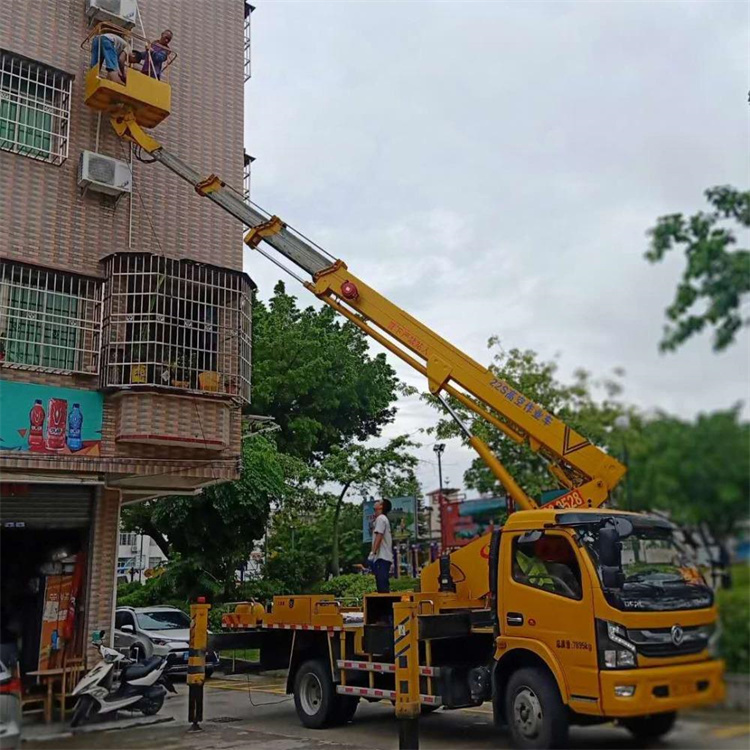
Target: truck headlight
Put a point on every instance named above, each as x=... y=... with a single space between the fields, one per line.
x=614 y=648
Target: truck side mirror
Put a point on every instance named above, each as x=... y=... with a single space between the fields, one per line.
x=610 y=547
x=610 y=557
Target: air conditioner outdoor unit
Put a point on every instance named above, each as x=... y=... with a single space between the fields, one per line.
x=104 y=174
x=123 y=13
x=134 y=547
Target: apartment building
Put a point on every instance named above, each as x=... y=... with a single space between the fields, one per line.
x=125 y=317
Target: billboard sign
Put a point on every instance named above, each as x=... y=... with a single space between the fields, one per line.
x=402 y=517
x=46 y=419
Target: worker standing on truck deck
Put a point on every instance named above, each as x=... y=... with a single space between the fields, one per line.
x=381 y=556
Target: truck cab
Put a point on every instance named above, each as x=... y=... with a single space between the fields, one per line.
x=601 y=612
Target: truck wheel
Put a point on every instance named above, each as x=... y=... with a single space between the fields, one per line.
x=534 y=710
x=650 y=727
x=314 y=694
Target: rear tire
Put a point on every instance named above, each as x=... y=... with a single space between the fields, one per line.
x=82 y=712
x=315 y=694
x=152 y=706
x=534 y=710
x=646 y=728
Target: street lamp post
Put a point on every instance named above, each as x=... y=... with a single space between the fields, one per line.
x=439 y=448
x=622 y=423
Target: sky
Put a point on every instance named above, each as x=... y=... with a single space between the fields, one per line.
x=493 y=167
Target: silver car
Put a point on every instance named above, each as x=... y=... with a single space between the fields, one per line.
x=10 y=709
x=142 y=632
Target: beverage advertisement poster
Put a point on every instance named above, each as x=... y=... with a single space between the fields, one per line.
x=54 y=616
x=401 y=517
x=47 y=419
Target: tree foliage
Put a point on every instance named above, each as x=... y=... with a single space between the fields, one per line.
x=388 y=470
x=696 y=470
x=300 y=544
x=716 y=278
x=573 y=403
x=215 y=530
x=315 y=376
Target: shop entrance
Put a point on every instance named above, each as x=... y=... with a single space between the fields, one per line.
x=44 y=544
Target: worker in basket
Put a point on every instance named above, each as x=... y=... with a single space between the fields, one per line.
x=109 y=52
x=154 y=56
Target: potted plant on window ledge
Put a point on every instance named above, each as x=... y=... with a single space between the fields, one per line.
x=181 y=371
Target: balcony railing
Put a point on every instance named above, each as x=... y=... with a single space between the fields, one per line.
x=176 y=324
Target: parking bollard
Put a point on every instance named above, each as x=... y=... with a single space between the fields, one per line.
x=406 y=653
x=196 y=674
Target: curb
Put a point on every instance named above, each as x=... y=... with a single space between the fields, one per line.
x=101 y=727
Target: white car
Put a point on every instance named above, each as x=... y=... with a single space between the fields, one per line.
x=142 y=632
x=10 y=709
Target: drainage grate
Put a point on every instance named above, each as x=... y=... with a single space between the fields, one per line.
x=224 y=719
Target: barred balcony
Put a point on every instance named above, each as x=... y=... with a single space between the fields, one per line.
x=176 y=324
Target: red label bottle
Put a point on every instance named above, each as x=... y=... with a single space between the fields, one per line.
x=56 y=423
x=36 y=426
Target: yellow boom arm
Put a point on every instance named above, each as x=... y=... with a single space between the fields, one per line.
x=588 y=473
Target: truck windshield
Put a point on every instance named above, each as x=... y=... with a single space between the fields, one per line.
x=657 y=573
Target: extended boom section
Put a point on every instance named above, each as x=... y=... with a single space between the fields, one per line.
x=588 y=473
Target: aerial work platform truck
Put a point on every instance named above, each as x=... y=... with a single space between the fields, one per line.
x=569 y=613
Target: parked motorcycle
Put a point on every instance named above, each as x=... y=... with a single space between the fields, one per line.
x=142 y=686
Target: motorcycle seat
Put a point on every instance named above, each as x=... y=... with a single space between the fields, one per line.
x=136 y=671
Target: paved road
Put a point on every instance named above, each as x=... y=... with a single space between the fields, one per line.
x=264 y=717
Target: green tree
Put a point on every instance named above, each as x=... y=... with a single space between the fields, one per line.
x=573 y=403
x=216 y=530
x=314 y=374
x=389 y=470
x=716 y=278
x=696 y=470
x=300 y=544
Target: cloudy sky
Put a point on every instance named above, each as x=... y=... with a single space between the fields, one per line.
x=493 y=167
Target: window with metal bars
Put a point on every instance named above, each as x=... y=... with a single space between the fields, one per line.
x=246 y=176
x=248 y=59
x=34 y=109
x=176 y=324
x=49 y=320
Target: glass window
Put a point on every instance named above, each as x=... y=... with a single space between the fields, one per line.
x=49 y=320
x=549 y=563
x=123 y=618
x=34 y=109
x=168 y=619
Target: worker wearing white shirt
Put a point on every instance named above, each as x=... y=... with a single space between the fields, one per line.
x=381 y=556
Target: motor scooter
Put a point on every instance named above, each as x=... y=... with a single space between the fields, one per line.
x=142 y=686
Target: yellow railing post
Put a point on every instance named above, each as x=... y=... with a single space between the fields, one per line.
x=196 y=674
x=406 y=657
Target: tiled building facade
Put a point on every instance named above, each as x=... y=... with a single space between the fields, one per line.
x=130 y=308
